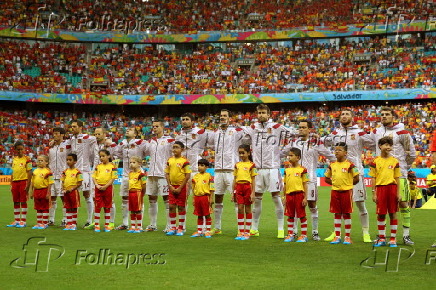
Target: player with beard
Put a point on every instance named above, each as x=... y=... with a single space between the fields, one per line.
x=311 y=148
x=266 y=139
x=225 y=140
x=404 y=150
x=159 y=149
x=356 y=139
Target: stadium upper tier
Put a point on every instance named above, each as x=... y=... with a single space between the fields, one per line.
x=169 y=16
x=254 y=68
x=35 y=128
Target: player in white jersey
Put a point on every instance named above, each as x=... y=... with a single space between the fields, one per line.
x=404 y=151
x=83 y=145
x=57 y=154
x=159 y=148
x=225 y=140
x=107 y=144
x=195 y=140
x=267 y=139
x=129 y=147
x=356 y=139
x=311 y=147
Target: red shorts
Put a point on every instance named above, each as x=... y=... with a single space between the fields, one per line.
x=41 y=203
x=103 y=198
x=136 y=200
x=386 y=199
x=72 y=200
x=341 y=201
x=201 y=205
x=18 y=189
x=178 y=199
x=243 y=193
x=294 y=208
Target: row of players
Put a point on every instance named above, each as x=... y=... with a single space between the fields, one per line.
x=267 y=141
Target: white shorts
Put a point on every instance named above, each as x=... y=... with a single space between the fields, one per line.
x=223 y=181
x=87 y=181
x=359 y=191
x=312 y=191
x=157 y=186
x=268 y=180
x=56 y=189
x=124 y=188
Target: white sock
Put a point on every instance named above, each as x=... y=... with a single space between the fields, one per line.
x=257 y=210
x=279 y=212
x=125 y=209
x=314 y=215
x=364 y=218
x=218 y=215
x=52 y=211
x=113 y=212
x=152 y=213
x=64 y=212
x=89 y=209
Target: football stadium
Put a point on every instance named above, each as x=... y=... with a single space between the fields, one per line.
x=225 y=144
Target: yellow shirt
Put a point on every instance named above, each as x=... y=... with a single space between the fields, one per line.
x=70 y=178
x=385 y=170
x=202 y=184
x=415 y=193
x=341 y=174
x=104 y=173
x=20 y=167
x=177 y=168
x=137 y=180
x=244 y=171
x=295 y=177
x=42 y=178
x=431 y=177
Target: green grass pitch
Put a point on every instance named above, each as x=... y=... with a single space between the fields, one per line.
x=219 y=262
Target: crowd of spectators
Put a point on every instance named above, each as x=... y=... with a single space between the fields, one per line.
x=305 y=66
x=34 y=128
x=173 y=16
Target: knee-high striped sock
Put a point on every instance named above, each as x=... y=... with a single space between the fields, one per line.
x=257 y=210
x=381 y=224
x=39 y=217
x=182 y=218
x=314 y=216
x=69 y=217
x=241 y=223
x=97 y=217
x=172 y=216
x=208 y=224
x=338 y=222
x=347 y=224
x=394 y=225
x=279 y=212
x=152 y=212
x=200 y=224
x=303 y=226
x=107 y=216
x=17 y=210
x=133 y=220
x=291 y=226
x=248 y=220
x=24 y=212
x=139 y=220
x=74 y=216
x=218 y=214
x=45 y=215
x=405 y=215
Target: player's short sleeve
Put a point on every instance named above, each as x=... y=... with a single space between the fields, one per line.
x=186 y=167
x=354 y=171
x=328 y=172
x=253 y=170
x=50 y=178
x=305 y=175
